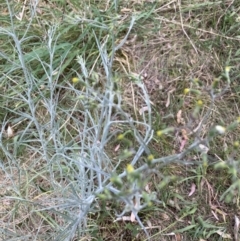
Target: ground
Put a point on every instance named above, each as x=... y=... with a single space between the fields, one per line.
x=119 y=120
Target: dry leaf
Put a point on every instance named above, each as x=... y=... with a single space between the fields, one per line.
x=170 y=234
x=149 y=223
x=193 y=189
x=183 y=143
x=147 y=189
x=10 y=132
x=217 y=210
x=184 y=134
x=179 y=117
x=178 y=237
x=39 y=10
x=222 y=213
x=126 y=218
x=215 y=215
x=168 y=96
x=126 y=10
x=132 y=218
x=183 y=140
x=224 y=235
x=123 y=218
x=236 y=227
x=168 y=100
x=143 y=109
x=203 y=148
x=136 y=201
x=117 y=148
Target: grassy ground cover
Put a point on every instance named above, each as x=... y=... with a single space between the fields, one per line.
x=119 y=120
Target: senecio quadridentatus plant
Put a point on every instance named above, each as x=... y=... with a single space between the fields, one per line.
x=130 y=186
